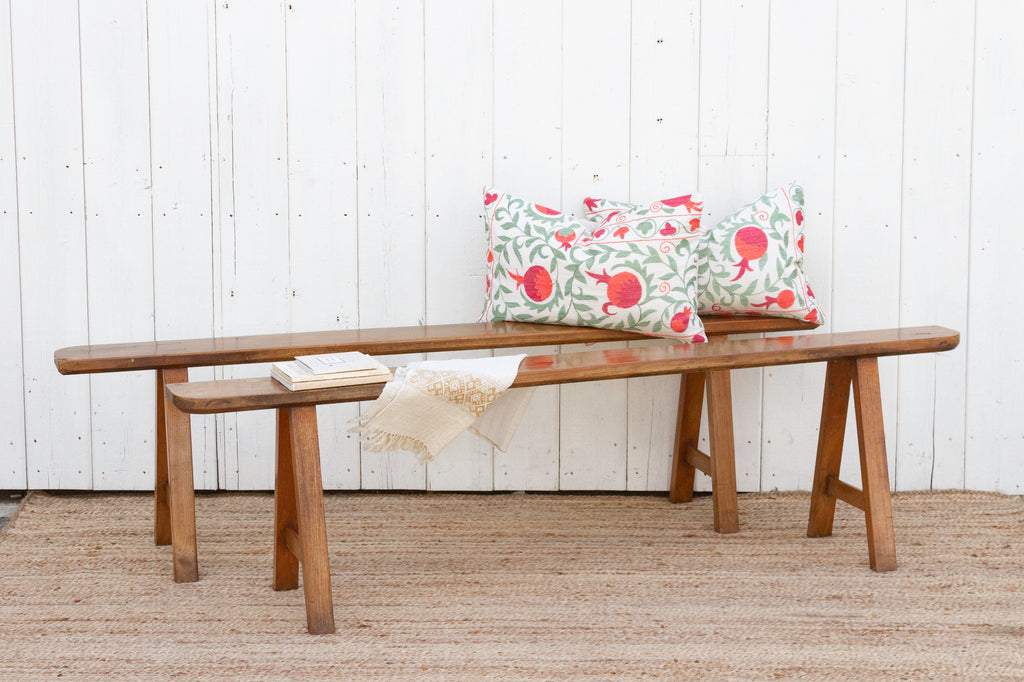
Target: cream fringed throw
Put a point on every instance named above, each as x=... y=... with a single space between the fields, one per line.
x=429 y=403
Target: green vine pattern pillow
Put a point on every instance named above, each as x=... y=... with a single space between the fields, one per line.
x=546 y=266
x=751 y=262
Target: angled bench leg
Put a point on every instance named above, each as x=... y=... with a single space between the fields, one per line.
x=162 y=511
x=691 y=399
x=286 y=561
x=867 y=399
x=720 y=465
x=300 y=532
x=838 y=376
x=181 y=490
x=874 y=499
x=723 y=454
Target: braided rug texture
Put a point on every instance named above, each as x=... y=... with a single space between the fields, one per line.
x=437 y=586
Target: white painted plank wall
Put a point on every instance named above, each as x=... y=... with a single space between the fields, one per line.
x=119 y=228
x=211 y=167
x=527 y=160
x=801 y=147
x=322 y=218
x=663 y=163
x=995 y=365
x=12 y=379
x=51 y=230
x=182 y=109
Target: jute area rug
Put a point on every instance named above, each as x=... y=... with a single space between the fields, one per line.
x=519 y=587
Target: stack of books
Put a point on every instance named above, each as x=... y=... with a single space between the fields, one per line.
x=330 y=370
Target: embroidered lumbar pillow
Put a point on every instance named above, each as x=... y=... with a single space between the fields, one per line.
x=636 y=275
x=751 y=262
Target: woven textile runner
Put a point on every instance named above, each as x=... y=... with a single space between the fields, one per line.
x=428 y=404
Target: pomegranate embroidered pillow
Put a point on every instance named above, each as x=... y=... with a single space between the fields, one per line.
x=751 y=262
x=543 y=266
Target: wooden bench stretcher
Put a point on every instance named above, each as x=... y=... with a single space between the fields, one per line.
x=171 y=360
x=299 y=525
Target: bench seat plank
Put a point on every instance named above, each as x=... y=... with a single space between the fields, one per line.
x=234 y=350
x=264 y=393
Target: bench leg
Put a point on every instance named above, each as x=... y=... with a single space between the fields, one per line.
x=691 y=399
x=308 y=541
x=162 y=511
x=874 y=499
x=867 y=399
x=181 y=490
x=723 y=455
x=286 y=564
x=835 y=405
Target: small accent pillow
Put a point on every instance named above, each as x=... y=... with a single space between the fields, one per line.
x=751 y=262
x=542 y=266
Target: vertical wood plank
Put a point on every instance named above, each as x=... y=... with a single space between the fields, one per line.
x=12 y=378
x=995 y=368
x=182 y=193
x=527 y=156
x=665 y=48
x=732 y=147
x=322 y=198
x=869 y=139
x=867 y=398
x=390 y=97
x=458 y=145
x=595 y=147
x=309 y=503
x=935 y=237
x=254 y=235
x=54 y=305
x=119 y=222
x=801 y=146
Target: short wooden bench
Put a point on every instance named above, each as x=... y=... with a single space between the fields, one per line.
x=299 y=527
x=172 y=359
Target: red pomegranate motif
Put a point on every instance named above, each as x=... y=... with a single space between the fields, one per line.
x=624 y=290
x=751 y=243
x=564 y=237
x=536 y=282
x=812 y=316
x=680 y=321
x=785 y=299
x=694 y=224
x=621 y=232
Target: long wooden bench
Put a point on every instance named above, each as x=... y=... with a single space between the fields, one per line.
x=299 y=527
x=172 y=359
